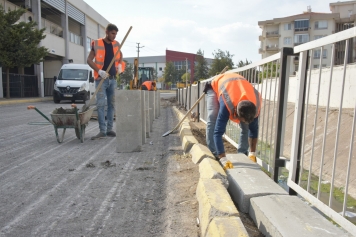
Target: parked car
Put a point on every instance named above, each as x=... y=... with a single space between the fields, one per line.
x=74 y=82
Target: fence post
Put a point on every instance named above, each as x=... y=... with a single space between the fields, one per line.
x=198 y=108
x=297 y=135
x=186 y=98
x=190 y=95
x=283 y=71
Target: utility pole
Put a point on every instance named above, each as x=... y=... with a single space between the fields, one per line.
x=138 y=53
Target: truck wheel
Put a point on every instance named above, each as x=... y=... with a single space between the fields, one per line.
x=56 y=101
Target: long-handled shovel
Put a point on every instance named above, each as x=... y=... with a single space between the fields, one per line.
x=87 y=105
x=191 y=109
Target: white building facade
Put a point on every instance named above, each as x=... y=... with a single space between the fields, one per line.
x=70 y=27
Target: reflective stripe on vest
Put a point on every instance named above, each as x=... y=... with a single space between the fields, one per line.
x=99 y=50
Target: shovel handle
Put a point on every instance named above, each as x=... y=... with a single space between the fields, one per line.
x=31 y=107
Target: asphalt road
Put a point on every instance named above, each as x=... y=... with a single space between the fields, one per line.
x=80 y=189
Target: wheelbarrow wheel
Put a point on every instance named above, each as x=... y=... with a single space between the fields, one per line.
x=77 y=133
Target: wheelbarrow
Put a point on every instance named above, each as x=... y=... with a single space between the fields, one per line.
x=66 y=118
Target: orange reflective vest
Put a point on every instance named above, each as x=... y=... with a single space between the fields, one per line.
x=149 y=85
x=234 y=88
x=99 y=50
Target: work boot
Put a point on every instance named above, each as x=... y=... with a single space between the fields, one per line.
x=253 y=158
x=111 y=134
x=98 y=136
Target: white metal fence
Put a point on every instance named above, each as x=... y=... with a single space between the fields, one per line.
x=306 y=124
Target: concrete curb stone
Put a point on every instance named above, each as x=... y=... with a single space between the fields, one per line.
x=274 y=214
x=247 y=180
x=226 y=226
x=24 y=100
x=214 y=201
x=187 y=143
x=211 y=169
x=212 y=189
x=199 y=152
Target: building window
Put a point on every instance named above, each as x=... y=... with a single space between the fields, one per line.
x=350 y=13
x=160 y=69
x=287 y=40
x=88 y=45
x=287 y=26
x=321 y=25
x=301 y=25
x=179 y=65
x=76 y=39
x=317 y=53
x=301 y=39
x=318 y=36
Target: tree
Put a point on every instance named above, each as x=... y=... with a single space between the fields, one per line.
x=251 y=74
x=242 y=63
x=19 y=42
x=220 y=61
x=186 y=77
x=169 y=72
x=127 y=75
x=201 y=70
x=269 y=71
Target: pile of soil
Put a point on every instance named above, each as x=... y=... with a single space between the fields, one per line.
x=199 y=132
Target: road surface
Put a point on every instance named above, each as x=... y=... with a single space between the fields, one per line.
x=87 y=189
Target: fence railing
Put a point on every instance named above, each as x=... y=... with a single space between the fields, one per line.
x=20 y=85
x=306 y=124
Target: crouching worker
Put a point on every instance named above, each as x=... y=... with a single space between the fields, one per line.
x=148 y=86
x=231 y=96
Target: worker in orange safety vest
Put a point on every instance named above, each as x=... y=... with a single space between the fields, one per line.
x=148 y=85
x=102 y=52
x=231 y=96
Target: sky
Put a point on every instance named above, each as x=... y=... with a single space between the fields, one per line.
x=190 y=25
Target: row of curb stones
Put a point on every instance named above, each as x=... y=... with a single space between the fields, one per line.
x=218 y=215
x=274 y=212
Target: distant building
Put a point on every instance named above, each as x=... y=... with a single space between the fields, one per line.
x=294 y=30
x=179 y=59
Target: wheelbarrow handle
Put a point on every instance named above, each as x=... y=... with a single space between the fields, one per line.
x=34 y=107
x=74 y=106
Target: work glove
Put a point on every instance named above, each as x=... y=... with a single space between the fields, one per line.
x=207 y=87
x=225 y=163
x=103 y=74
x=119 y=68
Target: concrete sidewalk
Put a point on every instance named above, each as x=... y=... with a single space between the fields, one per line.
x=10 y=101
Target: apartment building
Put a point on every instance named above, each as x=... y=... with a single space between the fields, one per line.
x=346 y=20
x=70 y=27
x=295 y=30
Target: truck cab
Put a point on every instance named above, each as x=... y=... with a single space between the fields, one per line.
x=74 y=82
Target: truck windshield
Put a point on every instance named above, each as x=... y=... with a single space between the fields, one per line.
x=73 y=74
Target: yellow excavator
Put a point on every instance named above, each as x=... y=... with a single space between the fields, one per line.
x=141 y=74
